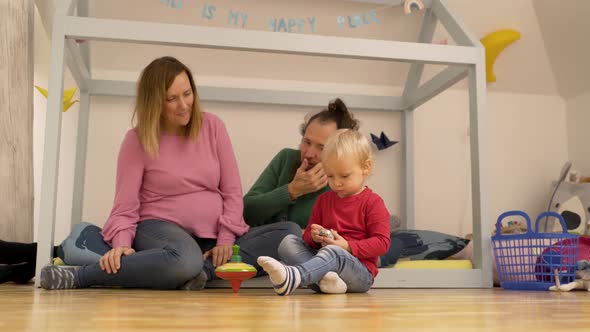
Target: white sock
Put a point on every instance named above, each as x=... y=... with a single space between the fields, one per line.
x=285 y=279
x=332 y=284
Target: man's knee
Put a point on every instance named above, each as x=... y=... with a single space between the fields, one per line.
x=292 y=228
x=287 y=245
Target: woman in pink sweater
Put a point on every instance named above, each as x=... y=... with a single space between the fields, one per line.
x=178 y=201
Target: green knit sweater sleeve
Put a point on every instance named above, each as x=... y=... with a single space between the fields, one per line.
x=268 y=200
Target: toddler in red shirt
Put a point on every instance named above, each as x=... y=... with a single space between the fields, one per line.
x=344 y=259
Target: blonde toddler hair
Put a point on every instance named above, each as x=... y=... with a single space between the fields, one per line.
x=348 y=143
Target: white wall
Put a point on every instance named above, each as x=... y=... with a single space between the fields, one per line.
x=528 y=146
x=562 y=31
x=521 y=130
x=578 y=118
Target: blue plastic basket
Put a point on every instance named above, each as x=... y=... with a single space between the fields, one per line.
x=530 y=261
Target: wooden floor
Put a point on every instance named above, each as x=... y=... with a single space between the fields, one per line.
x=24 y=308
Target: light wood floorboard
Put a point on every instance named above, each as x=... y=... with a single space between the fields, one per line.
x=24 y=308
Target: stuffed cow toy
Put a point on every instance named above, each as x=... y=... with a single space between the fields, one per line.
x=572 y=202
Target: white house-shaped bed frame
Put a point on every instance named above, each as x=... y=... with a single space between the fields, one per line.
x=467 y=59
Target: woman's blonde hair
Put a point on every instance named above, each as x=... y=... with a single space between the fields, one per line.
x=348 y=143
x=154 y=82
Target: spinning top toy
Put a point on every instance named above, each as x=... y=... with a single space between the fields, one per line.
x=235 y=271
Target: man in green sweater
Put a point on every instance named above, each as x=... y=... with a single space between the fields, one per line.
x=288 y=187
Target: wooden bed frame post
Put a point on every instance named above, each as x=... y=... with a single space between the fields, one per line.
x=52 y=140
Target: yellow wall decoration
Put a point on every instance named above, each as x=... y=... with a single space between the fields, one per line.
x=494 y=44
x=67 y=99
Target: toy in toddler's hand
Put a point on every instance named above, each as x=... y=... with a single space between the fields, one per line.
x=326 y=233
x=235 y=271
